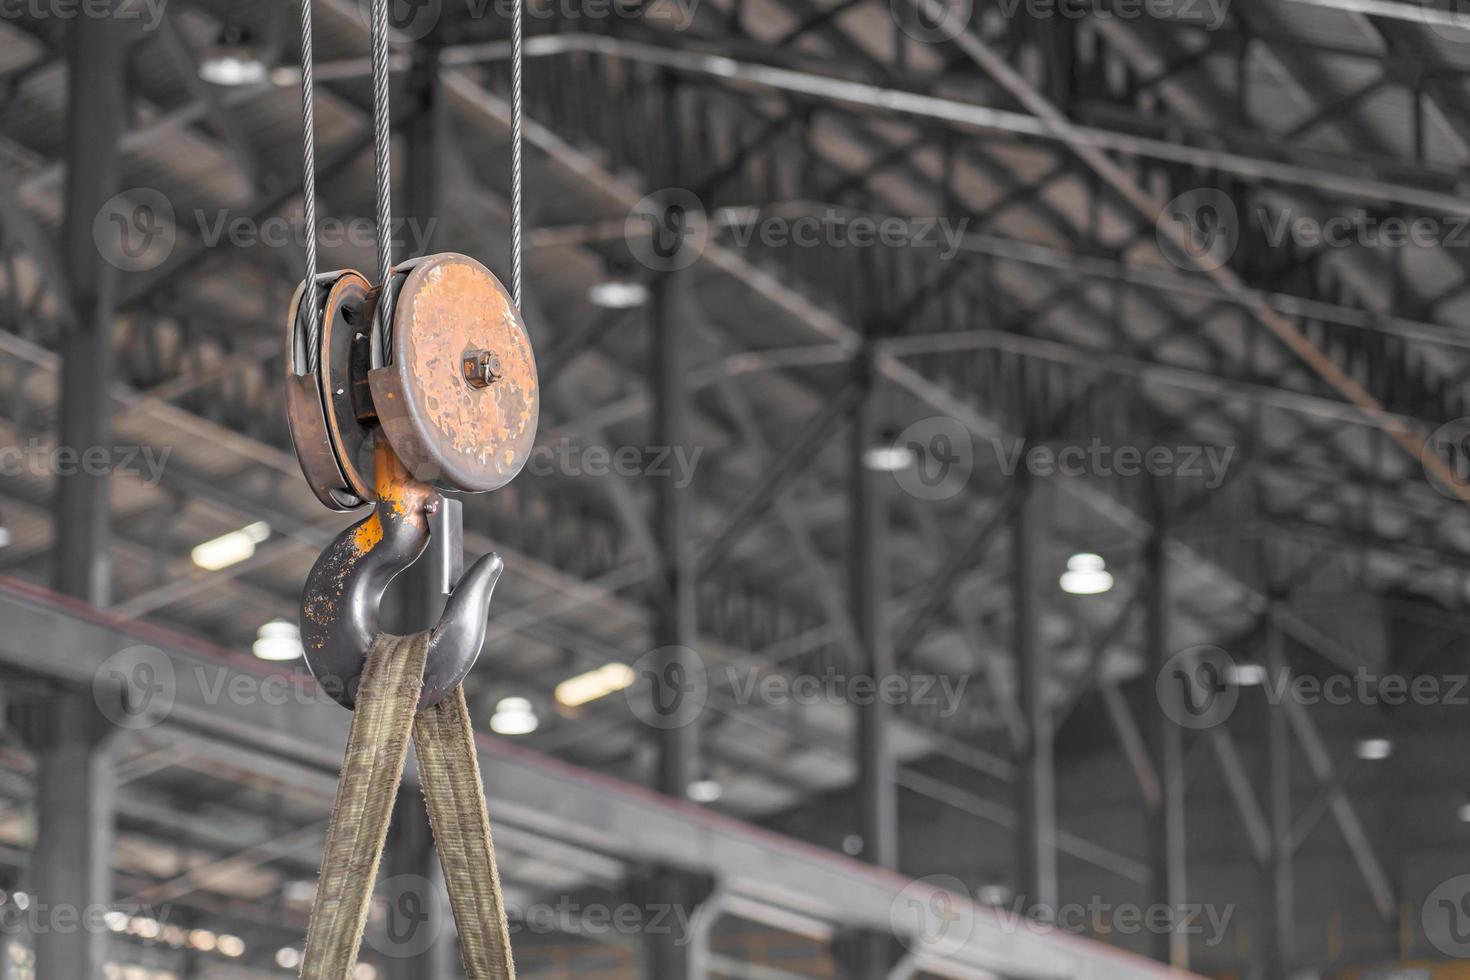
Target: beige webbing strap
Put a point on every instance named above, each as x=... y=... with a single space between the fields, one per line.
x=450 y=772
x=371 y=773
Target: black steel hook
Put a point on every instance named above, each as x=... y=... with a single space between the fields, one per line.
x=340 y=605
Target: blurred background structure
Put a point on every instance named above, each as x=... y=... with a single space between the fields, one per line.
x=1038 y=428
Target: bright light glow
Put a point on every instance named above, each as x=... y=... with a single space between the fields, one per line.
x=1086 y=574
x=231 y=946
x=705 y=791
x=1465 y=813
x=230 y=549
x=278 y=641
x=1374 y=749
x=1248 y=675
x=288 y=958
x=4 y=536
x=231 y=69
x=364 y=971
x=203 y=940
x=618 y=294
x=586 y=688
x=514 y=716
x=888 y=459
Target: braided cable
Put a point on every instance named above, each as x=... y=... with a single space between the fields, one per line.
x=517 y=127
x=382 y=139
x=308 y=188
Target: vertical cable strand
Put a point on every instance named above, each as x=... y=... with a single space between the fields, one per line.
x=382 y=139
x=308 y=185
x=517 y=126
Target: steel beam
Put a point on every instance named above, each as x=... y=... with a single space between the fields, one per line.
x=868 y=597
x=1291 y=337
x=542 y=797
x=95 y=117
x=1166 y=821
x=954 y=112
x=1036 y=786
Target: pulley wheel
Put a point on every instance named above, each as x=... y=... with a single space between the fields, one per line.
x=333 y=446
x=459 y=398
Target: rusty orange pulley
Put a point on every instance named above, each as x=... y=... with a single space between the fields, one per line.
x=437 y=360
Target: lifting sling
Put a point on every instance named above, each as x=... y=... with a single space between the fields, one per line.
x=378 y=419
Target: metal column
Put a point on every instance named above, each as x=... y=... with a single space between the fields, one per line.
x=418 y=597
x=877 y=769
x=1166 y=820
x=72 y=866
x=668 y=956
x=1279 y=909
x=95 y=119
x=675 y=628
x=418 y=933
x=1036 y=782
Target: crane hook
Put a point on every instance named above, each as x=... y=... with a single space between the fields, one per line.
x=340 y=604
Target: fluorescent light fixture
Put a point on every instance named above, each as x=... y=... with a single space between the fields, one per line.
x=278 y=641
x=618 y=294
x=1086 y=574
x=585 y=688
x=705 y=790
x=888 y=459
x=514 y=716
x=233 y=61
x=230 y=549
x=230 y=70
x=1248 y=675
x=1374 y=749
